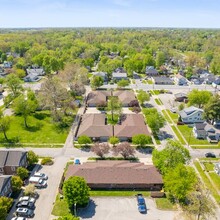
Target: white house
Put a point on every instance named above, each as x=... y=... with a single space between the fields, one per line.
x=180 y=80
x=191 y=115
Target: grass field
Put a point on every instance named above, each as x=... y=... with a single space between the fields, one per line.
x=216 y=179
x=60 y=207
x=165 y=204
x=117 y=193
x=158 y=101
x=188 y=134
x=207 y=182
x=206 y=147
x=149 y=82
x=166 y=116
x=174 y=116
x=178 y=134
x=209 y=166
x=41 y=130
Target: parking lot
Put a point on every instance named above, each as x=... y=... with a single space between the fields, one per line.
x=111 y=208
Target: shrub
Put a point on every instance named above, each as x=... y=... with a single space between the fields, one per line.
x=141 y=139
x=113 y=140
x=84 y=140
x=47 y=161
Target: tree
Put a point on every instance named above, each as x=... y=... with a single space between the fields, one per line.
x=24 y=106
x=125 y=149
x=4 y=124
x=22 y=172
x=96 y=82
x=68 y=217
x=76 y=191
x=155 y=122
x=84 y=140
x=100 y=149
x=14 y=85
x=113 y=140
x=123 y=83
x=212 y=109
x=179 y=181
x=199 y=98
x=29 y=190
x=32 y=158
x=160 y=59
x=114 y=106
x=173 y=154
x=200 y=204
x=16 y=183
x=141 y=139
x=5 y=205
x=143 y=97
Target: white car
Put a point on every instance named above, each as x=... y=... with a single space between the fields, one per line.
x=41 y=175
x=19 y=218
x=27 y=198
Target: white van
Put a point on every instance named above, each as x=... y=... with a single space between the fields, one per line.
x=41 y=175
x=38 y=182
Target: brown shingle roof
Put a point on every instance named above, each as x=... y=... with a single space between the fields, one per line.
x=3 y=157
x=132 y=125
x=125 y=96
x=97 y=97
x=93 y=125
x=14 y=158
x=116 y=172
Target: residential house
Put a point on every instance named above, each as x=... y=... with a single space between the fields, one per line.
x=208 y=78
x=98 y=98
x=5 y=186
x=180 y=97
x=95 y=127
x=150 y=71
x=7 y=64
x=180 y=80
x=101 y=74
x=10 y=160
x=119 y=75
x=162 y=80
x=206 y=131
x=217 y=168
x=125 y=96
x=34 y=75
x=216 y=83
x=118 y=175
x=130 y=125
x=191 y=115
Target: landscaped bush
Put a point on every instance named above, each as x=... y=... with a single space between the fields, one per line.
x=47 y=161
x=84 y=140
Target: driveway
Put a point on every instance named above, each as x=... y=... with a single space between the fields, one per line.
x=111 y=208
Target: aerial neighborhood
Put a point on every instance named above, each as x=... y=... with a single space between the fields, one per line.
x=109 y=122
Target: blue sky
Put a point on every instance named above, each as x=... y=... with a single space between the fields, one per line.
x=110 y=13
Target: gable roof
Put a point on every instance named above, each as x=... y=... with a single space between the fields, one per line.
x=189 y=111
x=3 y=157
x=110 y=172
x=180 y=95
x=93 y=125
x=119 y=75
x=37 y=71
x=133 y=124
x=97 y=97
x=125 y=96
x=3 y=181
x=14 y=158
x=162 y=79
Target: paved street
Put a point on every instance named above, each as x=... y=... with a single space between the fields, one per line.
x=112 y=208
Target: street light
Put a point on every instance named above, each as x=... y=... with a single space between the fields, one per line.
x=75 y=209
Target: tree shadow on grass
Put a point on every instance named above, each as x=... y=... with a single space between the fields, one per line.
x=34 y=128
x=88 y=211
x=41 y=115
x=10 y=143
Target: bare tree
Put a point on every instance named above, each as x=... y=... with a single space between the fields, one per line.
x=125 y=149
x=100 y=149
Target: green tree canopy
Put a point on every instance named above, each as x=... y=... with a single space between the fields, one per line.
x=96 y=82
x=173 y=154
x=75 y=190
x=16 y=183
x=22 y=172
x=199 y=98
x=4 y=124
x=113 y=140
x=141 y=139
x=83 y=139
x=123 y=83
x=5 y=205
x=143 y=96
x=32 y=157
x=14 y=85
x=114 y=106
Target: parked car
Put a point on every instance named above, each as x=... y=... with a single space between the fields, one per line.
x=41 y=184
x=41 y=175
x=24 y=212
x=210 y=154
x=141 y=203
x=19 y=218
x=77 y=161
x=25 y=204
x=27 y=198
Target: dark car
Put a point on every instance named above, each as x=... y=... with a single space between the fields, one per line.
x=25 y=204
x=210 y=154
x=25 y=212
x=141 y=203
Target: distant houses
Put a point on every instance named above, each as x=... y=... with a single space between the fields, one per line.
x=34 y=75
x=180 y=97
x=162 y=80
x=180 y=80
x=151 y=71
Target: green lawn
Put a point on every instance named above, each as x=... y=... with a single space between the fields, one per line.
x=178 y=134
x=117 y=193
x=216 y=179
x=206 y=147
x=209 y=159
x=166 y=116
x=188 y=134
x=158 y=101
x=144 y=81
x=60 y=207
x=174 y=116
x=209 y=166
x=156 y=92
x=41 y=130
x=207 y=182
x=157 y=139
x=165 y=204
x=149 y=81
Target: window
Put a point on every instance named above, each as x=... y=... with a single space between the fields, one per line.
x=12 y=168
